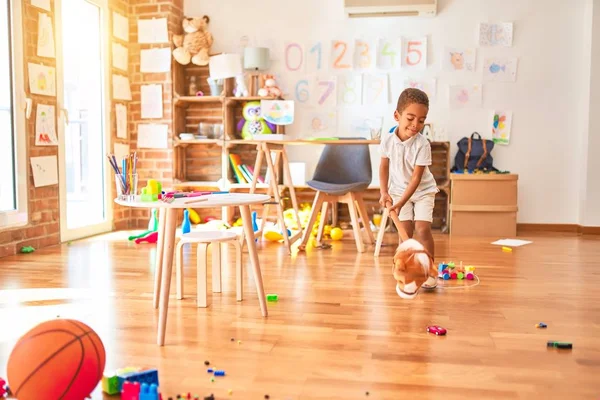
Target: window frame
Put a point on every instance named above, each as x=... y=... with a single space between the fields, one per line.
x=19 y=216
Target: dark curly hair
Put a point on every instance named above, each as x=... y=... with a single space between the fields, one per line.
x=410 y=96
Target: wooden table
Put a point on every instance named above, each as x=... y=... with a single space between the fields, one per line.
x=265 y=148
x=166 y=242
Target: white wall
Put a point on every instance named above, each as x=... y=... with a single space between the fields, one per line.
x=590 y=193
x=546 y=99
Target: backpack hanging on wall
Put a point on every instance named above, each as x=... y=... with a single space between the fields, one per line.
x=474 y=153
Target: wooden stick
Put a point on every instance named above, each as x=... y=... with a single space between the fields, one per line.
x=394 y=216
x=196 y=201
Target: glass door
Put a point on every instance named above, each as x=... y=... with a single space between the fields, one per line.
x=83 y=123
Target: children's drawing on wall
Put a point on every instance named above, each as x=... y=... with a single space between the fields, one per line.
x=278 y=112
x=42 y=80
x=45 y=127
x=45 y=45
x=500 y=69
x=459 y=59
x=426 y=85
x=320 y=123
x=367 y=127
x=501 y=127
x=500 y=34
x=463 y=96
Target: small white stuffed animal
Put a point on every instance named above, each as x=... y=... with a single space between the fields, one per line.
x=240 y=86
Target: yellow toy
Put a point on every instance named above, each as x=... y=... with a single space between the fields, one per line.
x=336 y=233
x=194 y=217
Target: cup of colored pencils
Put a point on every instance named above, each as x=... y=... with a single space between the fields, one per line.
x=126 y=177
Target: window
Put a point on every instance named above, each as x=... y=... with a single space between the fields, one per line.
x=13 y=181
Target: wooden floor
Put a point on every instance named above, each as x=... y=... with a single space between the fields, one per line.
x=338 y=330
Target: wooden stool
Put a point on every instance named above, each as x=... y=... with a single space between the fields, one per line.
x=382 y=225
x=264 y=151
x=204 y=239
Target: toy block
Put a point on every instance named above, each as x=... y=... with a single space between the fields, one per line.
x=151 y=191
x=3 y=388
x=110 y=384
x=149 y=377
x=148 y=392
x=131 y=391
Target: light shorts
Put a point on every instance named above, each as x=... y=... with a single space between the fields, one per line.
x=420 y=209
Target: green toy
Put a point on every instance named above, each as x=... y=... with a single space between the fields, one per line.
x=152 y=227
x=151 y=191
x=27 y=249
x=252 y=122
x=272 y=297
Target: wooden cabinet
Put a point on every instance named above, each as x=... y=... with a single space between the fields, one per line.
x=483 y=205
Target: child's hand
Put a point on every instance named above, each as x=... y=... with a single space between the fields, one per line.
x=397 y=207
x=385 y=198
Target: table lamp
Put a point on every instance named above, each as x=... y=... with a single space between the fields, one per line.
x=255 y=59
x=223 y=66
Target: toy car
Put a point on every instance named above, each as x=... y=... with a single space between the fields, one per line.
x=438 y=330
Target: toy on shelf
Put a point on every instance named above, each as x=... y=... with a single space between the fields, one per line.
x=269 y=87
x=194 y=45
x=27 y=249
x=151 y=191
x=252 y=123
x=240 y=87
x=449 y=270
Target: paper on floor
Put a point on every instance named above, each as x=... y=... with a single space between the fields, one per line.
x=511 y=242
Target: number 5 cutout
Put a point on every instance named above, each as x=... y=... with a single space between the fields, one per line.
x=414 y=54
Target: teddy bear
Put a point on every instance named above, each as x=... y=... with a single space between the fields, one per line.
x=240 y=86
x=269 y=87
x=194 y=45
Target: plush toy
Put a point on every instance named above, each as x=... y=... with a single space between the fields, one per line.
x=240 y=86
x=252 y=122
x=269 y=87
x=194 y=45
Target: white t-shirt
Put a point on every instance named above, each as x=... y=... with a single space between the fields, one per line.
x=404 y=156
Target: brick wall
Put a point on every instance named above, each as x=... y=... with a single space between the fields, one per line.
x=121 y=215
x=154 y=163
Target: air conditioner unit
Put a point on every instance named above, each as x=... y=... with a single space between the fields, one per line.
x=390 y=8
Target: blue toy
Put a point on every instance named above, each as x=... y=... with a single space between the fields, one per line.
x=185 y=226
x=149 y=377
x=149 y=392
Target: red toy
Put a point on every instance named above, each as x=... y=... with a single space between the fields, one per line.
x=438 y=330
x=130 y=391
x=151 y=238
x=3 y=390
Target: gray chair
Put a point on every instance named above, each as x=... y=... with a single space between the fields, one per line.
x=342 y=174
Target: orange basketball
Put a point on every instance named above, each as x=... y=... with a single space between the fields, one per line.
x=58 y=359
